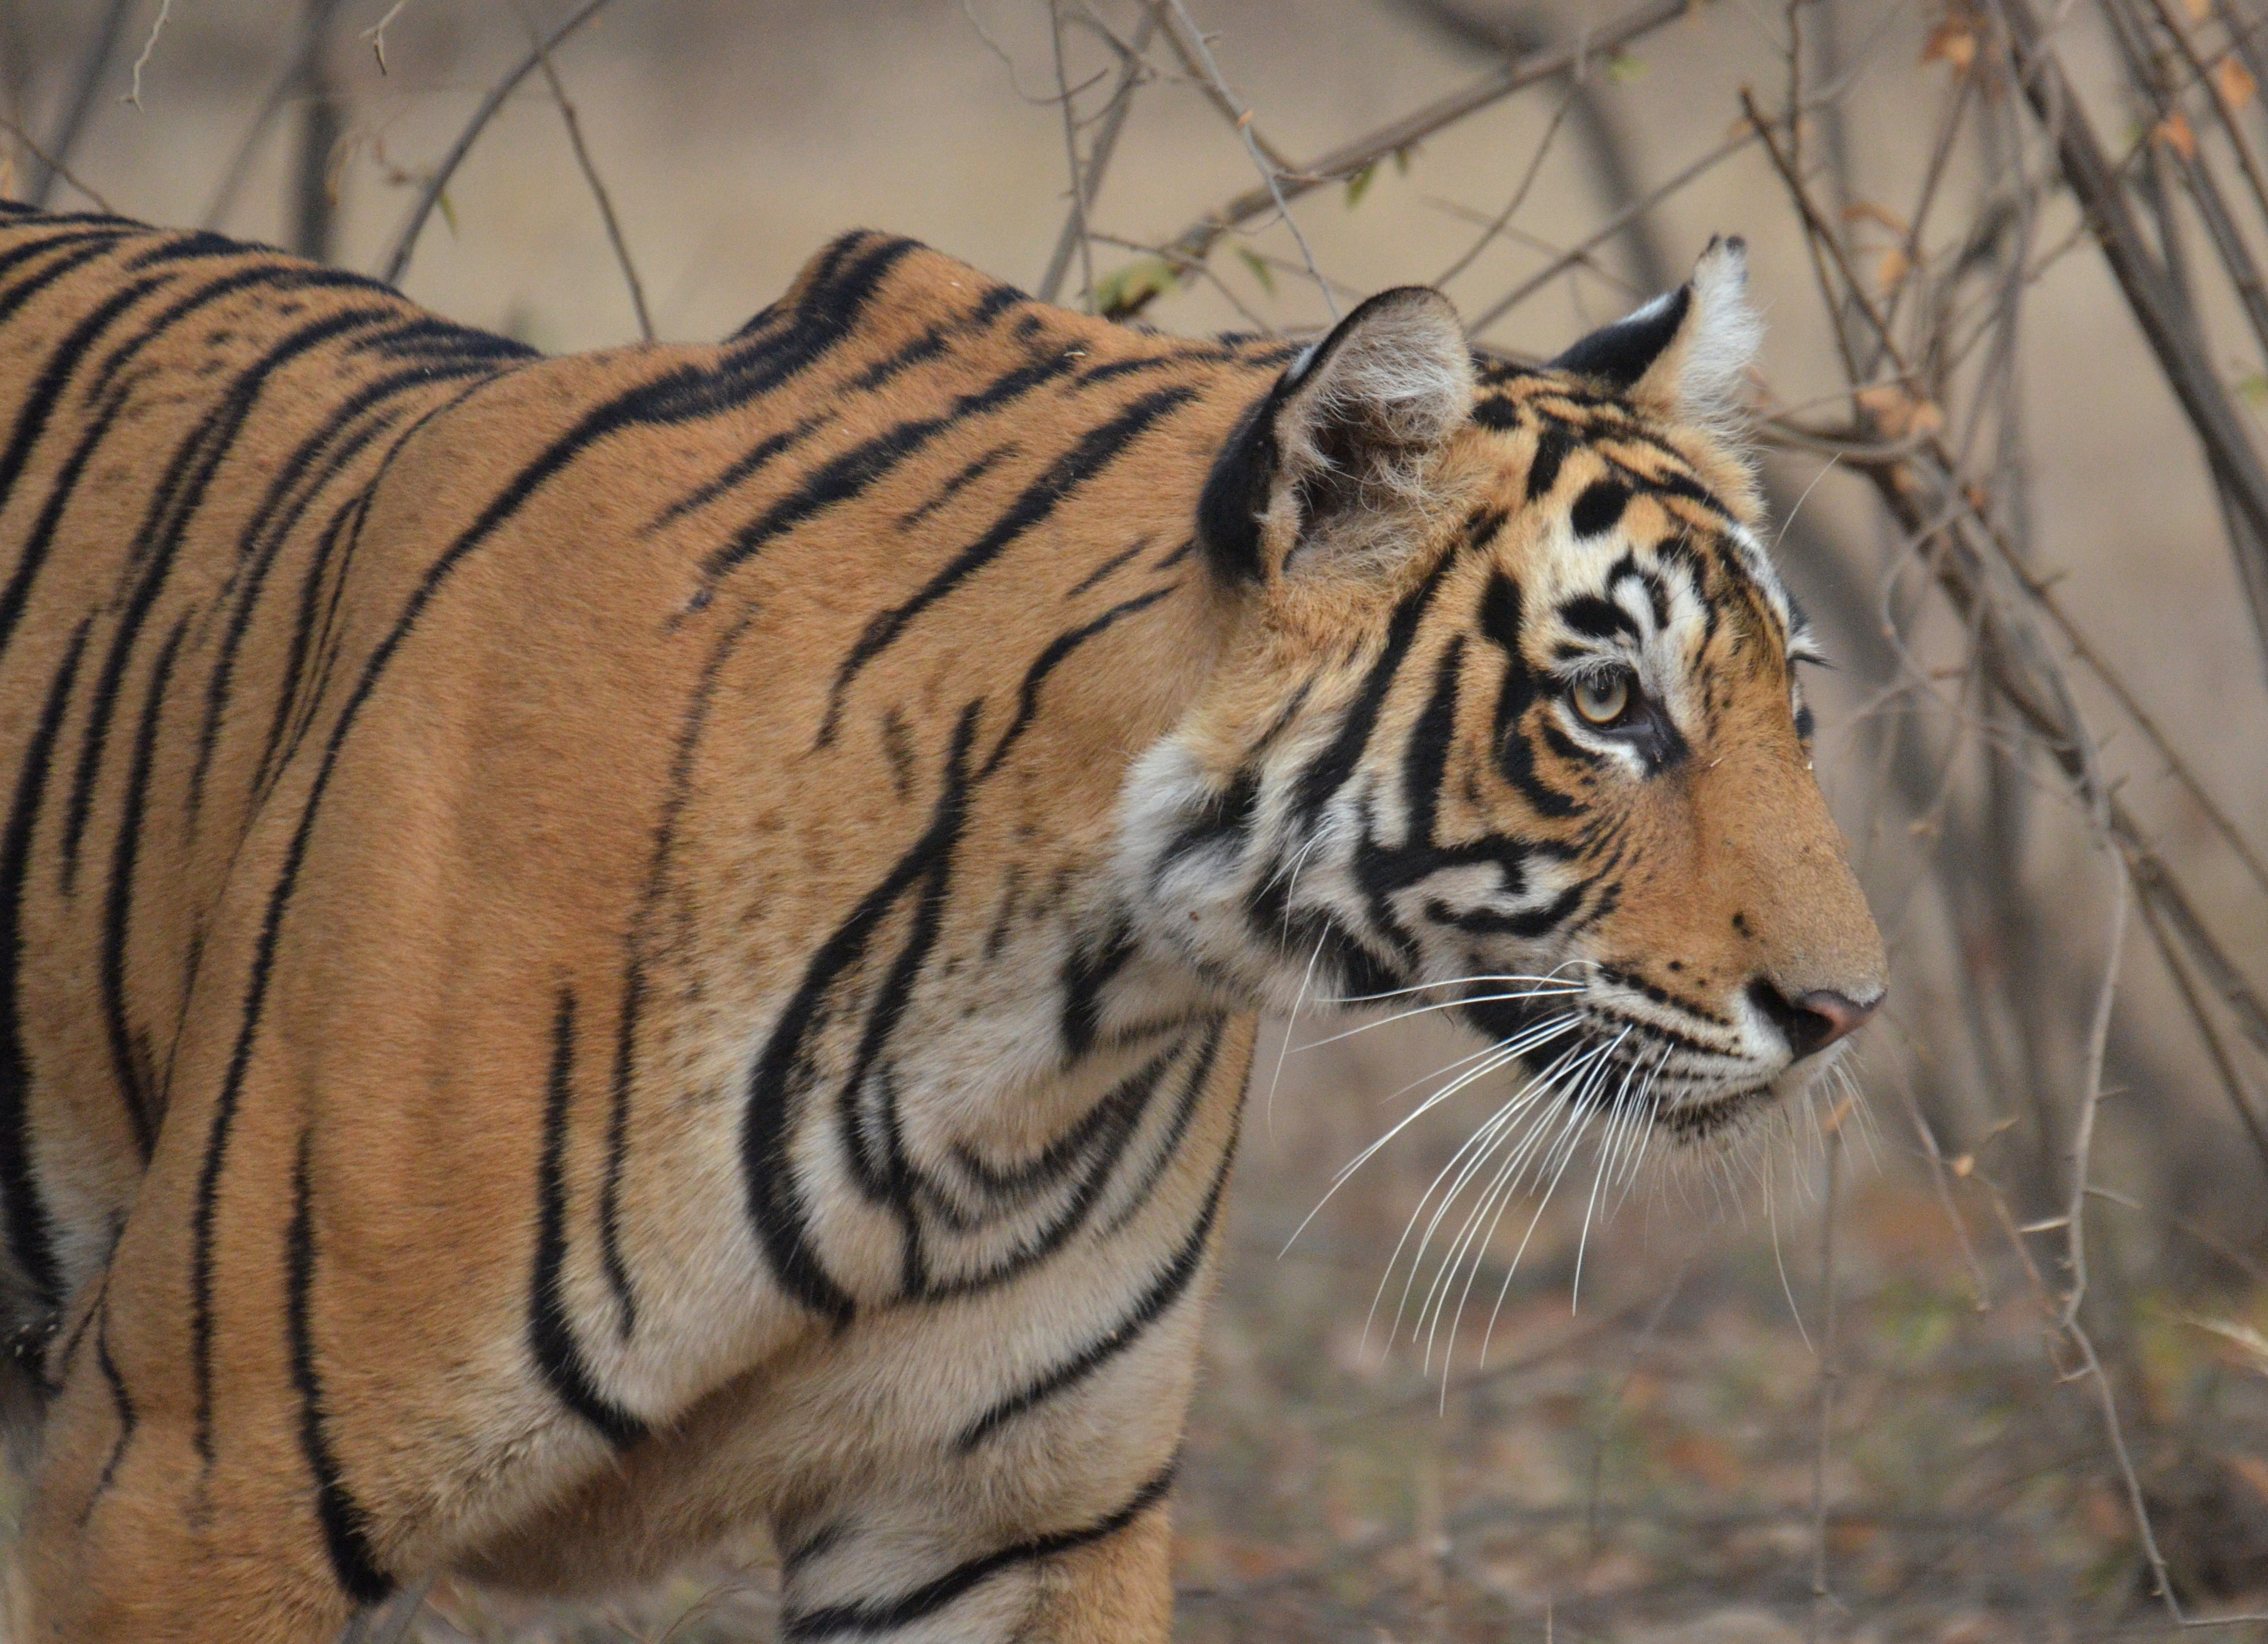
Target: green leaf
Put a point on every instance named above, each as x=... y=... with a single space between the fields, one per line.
x=1622 y=69
x=1402 y=159
x=1260 y=270
x=448 y=212
x=2255 y=390
x=1358 y=185
x=1127 y=291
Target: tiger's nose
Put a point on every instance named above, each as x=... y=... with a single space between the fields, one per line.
x=1832 y=1015
x=1813 y=1021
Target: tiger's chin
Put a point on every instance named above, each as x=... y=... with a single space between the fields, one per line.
x=1752 y=1115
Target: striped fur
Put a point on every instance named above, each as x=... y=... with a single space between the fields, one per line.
x=595 y=950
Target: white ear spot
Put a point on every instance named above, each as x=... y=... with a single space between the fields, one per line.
x=1722 y=335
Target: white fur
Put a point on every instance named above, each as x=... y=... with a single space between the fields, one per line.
x=1722 y=335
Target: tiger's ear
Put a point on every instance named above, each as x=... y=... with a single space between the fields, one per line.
x=1333 y=466
x=1683 y=356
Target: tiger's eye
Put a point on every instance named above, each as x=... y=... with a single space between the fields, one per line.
x=1603 y=701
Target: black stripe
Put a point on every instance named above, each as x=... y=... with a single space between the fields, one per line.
x=1166 y=1288
x=787 y=1069
x=1087 y=970
x=173 y=505
x=275 y=278
x=550 y=1334
x=931 y=344
x=1552 y=446
x=1028 y=696
x=633 y=992
x=1598 y=506
x=869 y=1619
x=31 y=417
x=739 y=469
x=287 y=687
x=968 y=474
x=1330 y=769
x=263 y=964
x=1169 y=1145
x=42 y=536
x=122 y=1405
x=1104 y=569
x=118 y=904
x=1501 y=621
x=846 y=476
x=1095 y=451
x=30 y=1240
x=269 y=530
x=346 y=1525
x=22 y=292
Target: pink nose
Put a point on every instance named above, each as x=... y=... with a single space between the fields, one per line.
x=1824 y=1016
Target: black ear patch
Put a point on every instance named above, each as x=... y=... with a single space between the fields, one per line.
x=1619 y=355
x=1235 y=493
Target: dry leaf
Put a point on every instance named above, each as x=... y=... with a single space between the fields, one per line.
x=2253 y=1344
x=1952 y=42
x=1898 y=413
x=1893 y=268
x=2173 y=131
x=2234 y=82
x=1867 y=211
x=1965 y=1164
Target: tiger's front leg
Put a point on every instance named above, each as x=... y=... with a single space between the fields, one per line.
x=129 y=1536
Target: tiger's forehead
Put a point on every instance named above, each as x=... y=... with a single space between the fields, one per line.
x=1658 y=521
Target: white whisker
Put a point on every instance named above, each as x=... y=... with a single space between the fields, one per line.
x=1284 y=1051
x=1552 y=975
x=1555 y=991
x=1517 y=1104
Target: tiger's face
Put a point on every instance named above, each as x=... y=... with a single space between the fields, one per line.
x=1511 y=723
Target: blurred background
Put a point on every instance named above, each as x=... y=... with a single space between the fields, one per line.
x=1977 y=1353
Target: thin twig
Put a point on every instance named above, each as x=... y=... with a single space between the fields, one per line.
x=1074 y=236
x=1071 y=158
x=1192 y=40
x=52 y=164
x=405 y=241
x=164 y=10
x=1195 y=242
x=1519 y=194
x=376 y=33
x=2156 y=309
x=598 y=188
x=82 y=99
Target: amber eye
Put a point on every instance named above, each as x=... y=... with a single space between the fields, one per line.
x=1603 y=701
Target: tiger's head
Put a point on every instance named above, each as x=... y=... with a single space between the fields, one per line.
x=1510 y=716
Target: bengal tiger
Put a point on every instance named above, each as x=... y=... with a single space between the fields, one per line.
x=599 y=951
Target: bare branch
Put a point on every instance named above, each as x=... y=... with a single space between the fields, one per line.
x=405 y=241
x=1200 y=56
x=1074 y=236
x=589 y=170
x=2155 y=307
x=376 y=33
x=51 y=163
x=1195 y=242
x=92 y=71
x=157 y=27
x=1078 y=186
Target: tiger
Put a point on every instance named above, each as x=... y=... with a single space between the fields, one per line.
x=599 y=953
